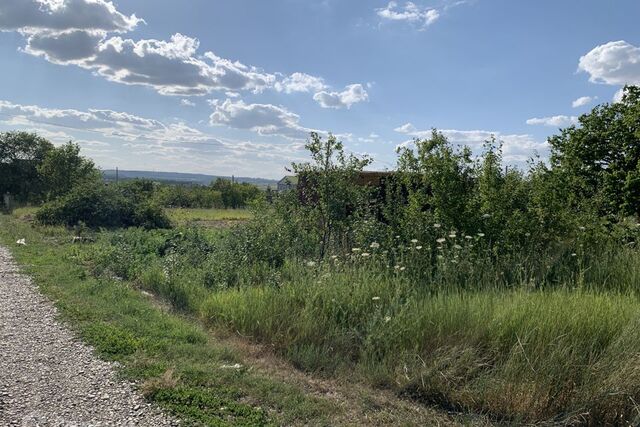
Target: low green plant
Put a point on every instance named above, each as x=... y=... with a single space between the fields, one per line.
x=98 y=205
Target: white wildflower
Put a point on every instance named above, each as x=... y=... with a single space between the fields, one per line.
x=418 y=247
x=457 y=246
x=311 y=263
x=468 y=237
x=387 y=319
x=356 y=250
x=22 y=242
x=365 y=254
x=452 y=235
x=236 y=366
x=414 y=241
x=441 y=240
x=480 y=234
x=374 y=245
x=436 y=225
x=375 y=299
x=403 y=268
x=485 y=216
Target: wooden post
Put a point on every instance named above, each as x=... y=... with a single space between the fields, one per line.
x=7 y=202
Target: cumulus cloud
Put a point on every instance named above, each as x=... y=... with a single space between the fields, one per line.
x=352 y=94
x=29 y=16
x=583 y=100
x=300 y=82
x=84 y=33
x=73 y=46
x=410 y=12
x=617 y=97
x=516 y=148
x=265 y=119
x=407 y=128
x=555 y=121
x=613 y=63
x=187 y=103
x=157 y=145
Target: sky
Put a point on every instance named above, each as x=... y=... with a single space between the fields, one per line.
x=234 y=87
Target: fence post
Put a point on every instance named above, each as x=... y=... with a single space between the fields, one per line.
x=7 y=202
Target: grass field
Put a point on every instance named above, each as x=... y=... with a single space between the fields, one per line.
x=24 y=211
x=179 y=216
x=203 y=377
x=562 y=354
x=184 y=215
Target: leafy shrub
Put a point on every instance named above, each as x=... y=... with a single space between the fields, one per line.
x=97 y=205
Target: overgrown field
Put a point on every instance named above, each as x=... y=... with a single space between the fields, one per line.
x=566 y=352
x=185 y=215
x=204 y=376
x=454 y=280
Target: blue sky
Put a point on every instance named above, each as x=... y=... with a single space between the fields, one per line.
x=234 y=87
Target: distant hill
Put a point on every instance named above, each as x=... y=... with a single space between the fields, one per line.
x=182 y=178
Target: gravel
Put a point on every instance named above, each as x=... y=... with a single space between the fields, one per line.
x=48 y=377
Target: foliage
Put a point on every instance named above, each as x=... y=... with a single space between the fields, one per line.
x=63 y=168
x=95 y=204
x=20 y=155
x=235 y=195
x=599 y=160
x=327 y=189
x=192 y=196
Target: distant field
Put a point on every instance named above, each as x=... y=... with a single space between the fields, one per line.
x=177 y=215
x=181 y=215
x=21 y=212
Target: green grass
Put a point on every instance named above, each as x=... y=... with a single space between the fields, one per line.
x=518 y=355
x=24 y=211
x=174 y=359
x=184 y=215
x=524 y=353
x=565 y=352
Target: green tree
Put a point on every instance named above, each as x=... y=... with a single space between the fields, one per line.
x=63 y=168
x=328 y=184
x=20 y=155
x=440 y=180
x=598 y=162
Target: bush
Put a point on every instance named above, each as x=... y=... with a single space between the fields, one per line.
x=97 y=205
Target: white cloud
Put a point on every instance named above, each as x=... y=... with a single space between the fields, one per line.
x=187 y=103
x=30 y=16
x=410 y=12
x=617 y=97
x=128 y=140
x=72 y=46
x=80 y=32
x=613 y=63
x=300 y=82
x=352 y=94
x=583 y=100
x=407 y=128
x=265 y=119
x=555 y=121
x=516 y=148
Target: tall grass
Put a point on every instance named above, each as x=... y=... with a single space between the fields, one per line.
x=553 y=337
x=520 y=355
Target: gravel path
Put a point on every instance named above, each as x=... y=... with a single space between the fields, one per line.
x=48 y=377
